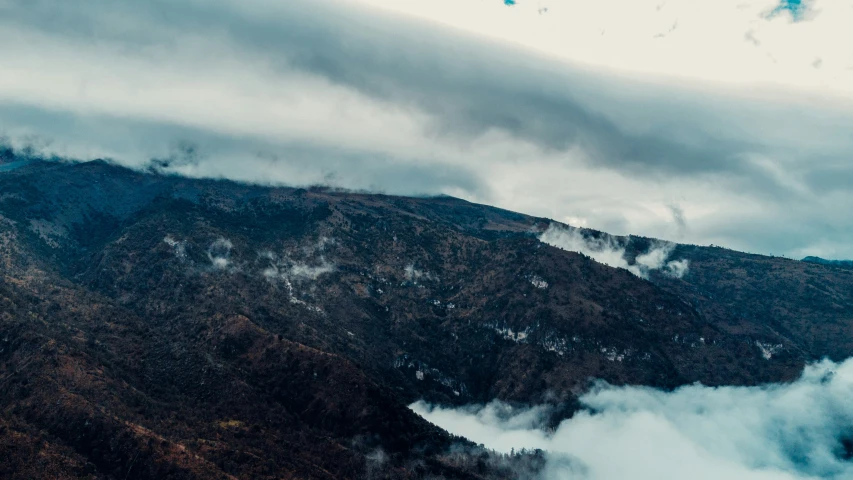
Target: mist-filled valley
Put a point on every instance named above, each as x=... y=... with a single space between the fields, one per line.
x=801 y=430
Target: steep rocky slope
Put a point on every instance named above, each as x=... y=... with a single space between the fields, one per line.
x=156 y=325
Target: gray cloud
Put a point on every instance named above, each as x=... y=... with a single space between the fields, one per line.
x=199 y=153
x=797 y=431
x=325 y=92
x=467 y=87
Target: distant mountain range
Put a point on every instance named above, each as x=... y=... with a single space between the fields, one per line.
x=823 y=261
x=155 y=326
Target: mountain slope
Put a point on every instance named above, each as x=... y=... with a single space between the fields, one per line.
x=823 y=261
x=209 y=328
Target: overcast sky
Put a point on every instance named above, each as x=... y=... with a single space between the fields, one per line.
x=727 y=122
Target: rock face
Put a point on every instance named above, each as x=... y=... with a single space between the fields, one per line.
x=162 y=327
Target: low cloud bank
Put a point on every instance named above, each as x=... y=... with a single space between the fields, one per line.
x=610 y=251
x=797 y=431
x=301 y=94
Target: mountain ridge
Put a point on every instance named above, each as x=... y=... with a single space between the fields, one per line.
x=334 y=310
x=824 y=261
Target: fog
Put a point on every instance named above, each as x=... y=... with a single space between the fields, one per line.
x=611 y=251
x=801 y=430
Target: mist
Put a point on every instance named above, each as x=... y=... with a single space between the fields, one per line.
x=611 y=251
x=797 y=431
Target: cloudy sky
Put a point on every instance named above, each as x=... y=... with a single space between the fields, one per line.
x=727 y=122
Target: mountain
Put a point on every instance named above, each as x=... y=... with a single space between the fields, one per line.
x=156 y=326
x=823 y=261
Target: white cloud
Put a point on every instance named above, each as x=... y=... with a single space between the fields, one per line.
x=775 y=432
x=677 y=268
x=610 y=251
x=219 y=253
x=179 y=247
x=291 y=272
x=497 y=425
x=414 y=275
x=732 y=42
x=310 y=272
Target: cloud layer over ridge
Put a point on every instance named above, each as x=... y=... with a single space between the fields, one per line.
x=414 y=101
x=798 y=431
